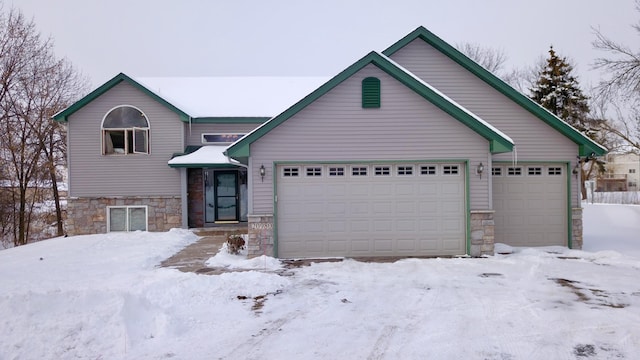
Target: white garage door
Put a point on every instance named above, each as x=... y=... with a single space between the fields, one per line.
x=370 y=210
x=530 y=202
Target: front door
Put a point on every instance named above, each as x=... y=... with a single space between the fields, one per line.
x=221 y=193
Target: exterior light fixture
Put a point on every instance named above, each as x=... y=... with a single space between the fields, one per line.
x=480 y=169
x=263 y=172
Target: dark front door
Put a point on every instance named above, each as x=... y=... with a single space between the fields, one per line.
x=221 y=192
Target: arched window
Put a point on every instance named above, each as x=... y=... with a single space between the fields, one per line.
x=371 y=92
x=125 y=130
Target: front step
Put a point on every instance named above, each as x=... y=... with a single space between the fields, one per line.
x=223 y=231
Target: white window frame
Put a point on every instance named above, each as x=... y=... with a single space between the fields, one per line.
x=426 y=170
x=382 y=170
x=290 y=171
x=127 y=207
x=452 y=168
x=496 y=171
x=313 y=171
x=359 y=169
x=336 y=171
x=125 y=131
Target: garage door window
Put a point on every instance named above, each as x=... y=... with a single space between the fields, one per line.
x=496 y=171
x=555 y=171
x=290 y=172
x=427 y=170
x=405 y=170
x=450 y=170
x=314 y=171
x=336 y=171
x=382 y=171
x=514 y=171
x=359 y=171
x=534 y=171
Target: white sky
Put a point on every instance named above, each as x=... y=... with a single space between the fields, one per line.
x=310 y=38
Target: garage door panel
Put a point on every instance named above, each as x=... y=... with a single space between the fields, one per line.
x=531 y=209
x=388 y=214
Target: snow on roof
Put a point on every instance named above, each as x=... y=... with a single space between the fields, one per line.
x=264 y=96
x=210 y=154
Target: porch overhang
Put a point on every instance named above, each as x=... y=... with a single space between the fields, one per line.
x=207 y=156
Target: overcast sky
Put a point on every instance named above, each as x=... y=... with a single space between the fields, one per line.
x=308 y=38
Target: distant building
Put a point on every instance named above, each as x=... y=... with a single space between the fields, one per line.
x=622 y=173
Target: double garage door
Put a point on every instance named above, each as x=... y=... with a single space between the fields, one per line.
x=403 y=209
x=530 y=203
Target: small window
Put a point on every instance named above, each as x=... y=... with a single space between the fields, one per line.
x=496 y=171
x=405 y=170
x=534 y=171
x=382 y=170
x=427 y=170
x=514 y=171
x=290 y=172
x=336 y=171
x=221 y=138
x=632 y=171
x=359 y=171
x=127 y=218
x=450 y=170
x=314 y=171
x=125 y=130
x=555 y=171
x=632 y=184
x=371 y=92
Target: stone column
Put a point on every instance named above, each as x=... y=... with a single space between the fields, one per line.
x=260 y=235
x=576 y=228
x=482 y=232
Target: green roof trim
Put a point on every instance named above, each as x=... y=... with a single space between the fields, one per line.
x=586 y=146
x=63 y=116
x=498 y=142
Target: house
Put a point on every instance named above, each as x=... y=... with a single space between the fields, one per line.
x=415 y=151
x=622 y=173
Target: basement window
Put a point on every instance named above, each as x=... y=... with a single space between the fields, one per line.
x=371 y=92
x=126 y=218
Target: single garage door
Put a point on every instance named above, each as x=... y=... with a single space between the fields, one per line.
x=530 y=203
x=370 y=210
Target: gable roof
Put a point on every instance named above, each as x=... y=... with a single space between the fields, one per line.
x=63 y=115
x=213 y=99
x=586 y=146
x=498 y=141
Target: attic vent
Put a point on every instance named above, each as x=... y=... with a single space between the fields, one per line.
x=371 y=92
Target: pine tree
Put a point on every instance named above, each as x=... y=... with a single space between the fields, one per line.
x=558 y=91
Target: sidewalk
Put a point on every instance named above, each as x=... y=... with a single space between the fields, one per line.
x=193 y=257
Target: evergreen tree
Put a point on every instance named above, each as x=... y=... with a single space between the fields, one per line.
x=558 y=91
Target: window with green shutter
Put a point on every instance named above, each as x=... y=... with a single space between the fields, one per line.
x=371 y=92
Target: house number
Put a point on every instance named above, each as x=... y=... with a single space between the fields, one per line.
x=261 y=226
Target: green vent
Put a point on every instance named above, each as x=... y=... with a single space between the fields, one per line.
x=371 y=92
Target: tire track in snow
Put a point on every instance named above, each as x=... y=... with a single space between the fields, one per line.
x=382 y=343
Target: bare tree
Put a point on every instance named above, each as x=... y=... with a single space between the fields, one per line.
x=33 y=86
x=490 y=58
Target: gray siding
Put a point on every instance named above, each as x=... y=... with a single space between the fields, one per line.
x=534 y=139
x=337 y=128
x=193 y=132
x=93 y=174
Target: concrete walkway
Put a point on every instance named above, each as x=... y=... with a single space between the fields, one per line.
x=193 y=257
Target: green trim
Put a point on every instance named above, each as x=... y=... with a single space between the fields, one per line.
x=205 y=166
x=586 y=145
x=498 y=141
x=569 y=207
x=468 y=209
x=374 y=162
x=229 y=120
x=63 y=116
x=275 y=209
x=371 y=93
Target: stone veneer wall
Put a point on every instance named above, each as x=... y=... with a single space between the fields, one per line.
x=260 y=235
x=482 y=232
x=195 y=191
x=89 y=215
x=576 y=228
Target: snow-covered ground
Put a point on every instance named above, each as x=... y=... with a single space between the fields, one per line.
x=103 y=297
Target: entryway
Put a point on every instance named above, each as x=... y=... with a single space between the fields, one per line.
x=225 y=196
